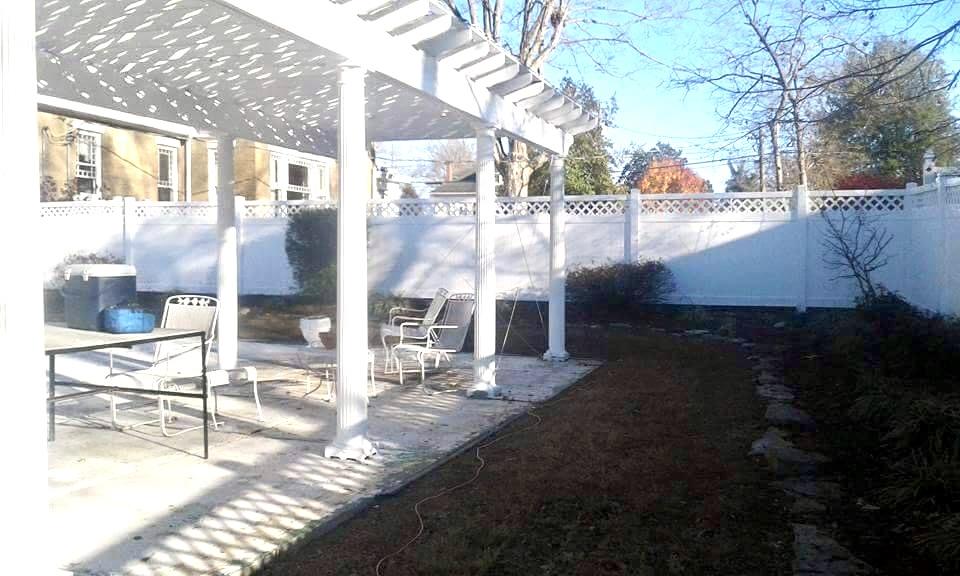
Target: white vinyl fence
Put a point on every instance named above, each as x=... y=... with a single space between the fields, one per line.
x=744 y=249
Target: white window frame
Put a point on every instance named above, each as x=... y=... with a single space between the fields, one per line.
x=318 y=174
x=95 y=134
x=170 y=147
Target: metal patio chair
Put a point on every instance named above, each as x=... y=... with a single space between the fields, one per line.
x=441 y=340
x=411 y=323
x=176 y=364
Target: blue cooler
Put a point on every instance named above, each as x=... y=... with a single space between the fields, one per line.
x=89 y=289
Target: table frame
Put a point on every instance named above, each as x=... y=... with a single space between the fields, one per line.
x=127 y=341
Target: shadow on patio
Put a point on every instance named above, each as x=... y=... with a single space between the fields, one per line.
x=136 y=502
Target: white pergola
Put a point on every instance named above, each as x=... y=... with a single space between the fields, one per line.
x=317 y=76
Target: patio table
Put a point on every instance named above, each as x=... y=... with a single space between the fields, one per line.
x=63 y=340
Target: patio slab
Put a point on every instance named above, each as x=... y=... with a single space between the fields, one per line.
x=136 y=502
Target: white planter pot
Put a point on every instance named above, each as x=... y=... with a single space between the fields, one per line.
x=312 y=326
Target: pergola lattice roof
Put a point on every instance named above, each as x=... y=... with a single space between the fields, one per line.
x=219 y=68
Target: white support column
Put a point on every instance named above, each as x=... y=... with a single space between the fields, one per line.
x=801 y=212
x=24 y=497
x=129 y=230
x=485 y=319
x=351 y=441
x=227 y=267
x=557 y=350
x=188 y=170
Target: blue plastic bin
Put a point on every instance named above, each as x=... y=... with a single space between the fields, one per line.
x=121 y=320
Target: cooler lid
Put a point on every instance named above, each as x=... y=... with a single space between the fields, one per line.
x=99 y=270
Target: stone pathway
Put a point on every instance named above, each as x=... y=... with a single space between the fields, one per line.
x=799 y=471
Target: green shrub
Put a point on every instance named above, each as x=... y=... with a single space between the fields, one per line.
x=56 y=278
x=379 y=305
x=897 y=364
x=321 y=285
x=620 y=287
x=311 y=246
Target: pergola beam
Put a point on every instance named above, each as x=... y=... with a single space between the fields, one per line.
x=406 y=65
x=524 y=92
x=392 y=18
x=426 y=30
x=485 y=65
x=498 y=76
x=552 y=114
x=460 y=57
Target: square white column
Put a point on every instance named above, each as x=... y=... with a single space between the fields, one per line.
x=557 y=350
x=485 y=319
x=24 y=497
x=351 y=441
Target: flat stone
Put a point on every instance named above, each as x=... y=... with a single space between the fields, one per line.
x=803 y=506
x=780 y=325
x=773 y=437
x=696 y=332
x=780 y=414
x=768 y=377
x=777 y=392
x=788 y=461
x=818 y=489
x=816 y=553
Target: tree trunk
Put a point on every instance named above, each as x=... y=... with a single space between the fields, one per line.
x=760 y=162
x=518 y=170
x=801 y=151
x=777 y=156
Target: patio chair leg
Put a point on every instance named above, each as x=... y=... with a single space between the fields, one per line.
x=113 y=412
x=163 y=417
x=386 y=353
x=252 y=374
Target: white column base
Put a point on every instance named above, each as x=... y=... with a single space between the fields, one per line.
x=358 y=449
x=484 y=377
x=551 y=356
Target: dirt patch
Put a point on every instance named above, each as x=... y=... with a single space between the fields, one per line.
x=638 y=469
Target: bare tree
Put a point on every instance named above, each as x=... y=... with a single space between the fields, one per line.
x=450 y=160
x=597 y=32
x=855 y=246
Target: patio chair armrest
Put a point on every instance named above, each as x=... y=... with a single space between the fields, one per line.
x=405 y=325
x=394 y=312
x=416 y=319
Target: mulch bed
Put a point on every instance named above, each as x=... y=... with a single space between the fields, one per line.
x=640 y=468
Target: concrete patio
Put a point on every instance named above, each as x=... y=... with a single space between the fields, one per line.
x=136 y=502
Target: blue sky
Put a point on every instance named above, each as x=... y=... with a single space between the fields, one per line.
x=652 y=108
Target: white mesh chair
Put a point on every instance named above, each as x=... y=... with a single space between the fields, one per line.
x=177 y=363
x=441 y=339
x=411 y=324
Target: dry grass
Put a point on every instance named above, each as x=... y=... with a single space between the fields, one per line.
x=639 y=469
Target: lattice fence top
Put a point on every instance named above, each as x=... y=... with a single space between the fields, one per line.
x=404 y=208
x=706 y=204
x=596 y=205
x=272 y=209
x=72 y=209
x=523 y=206
x=951 y=193
x=862 y=202
x=174 y=210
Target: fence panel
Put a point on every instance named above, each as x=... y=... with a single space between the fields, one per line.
x=730 y=249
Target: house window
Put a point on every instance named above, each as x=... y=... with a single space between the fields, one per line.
x=298 y=180
x=294 y=178
x=167 y=175
x=88 y=164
